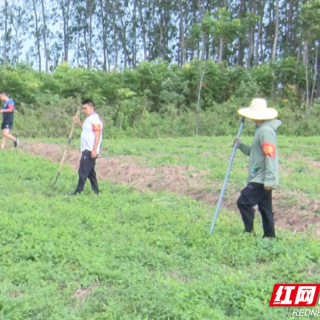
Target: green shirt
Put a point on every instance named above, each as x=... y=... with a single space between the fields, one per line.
x=263 y=161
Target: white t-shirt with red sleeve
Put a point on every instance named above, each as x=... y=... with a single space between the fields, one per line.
x=91 y=125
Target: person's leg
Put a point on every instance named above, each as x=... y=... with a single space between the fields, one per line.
x=4 y=140
x=265 y=208
x=86 y=165
x=4 y=128
x=247 y=213
x=93 y=180
x=250 y=196
x=7 y=134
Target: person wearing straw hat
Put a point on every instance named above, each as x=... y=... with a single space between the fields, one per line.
x=263 y=166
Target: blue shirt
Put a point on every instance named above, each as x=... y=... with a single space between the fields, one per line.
x=9 y=105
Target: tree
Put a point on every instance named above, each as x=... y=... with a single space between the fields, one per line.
x=64 y=12
x=310 y=17
x=45 y=33
x=5 y=36
x=36 y=31
x=222 y=28
x=103 y=15
x=182 y=34
x=276 y=32
x=241 y=16
x=121 y=17
x=204 y=39
x=259 y=42
x=19 y=21
x=143 y=27
x=84 y=29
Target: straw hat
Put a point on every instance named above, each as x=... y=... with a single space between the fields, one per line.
x=258 y=110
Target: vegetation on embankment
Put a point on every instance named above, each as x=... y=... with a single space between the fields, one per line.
x=157 y=99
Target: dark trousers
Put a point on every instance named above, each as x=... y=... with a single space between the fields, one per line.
x=86 y=170
x=255 y=194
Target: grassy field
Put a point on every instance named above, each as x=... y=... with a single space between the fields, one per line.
x=127 y=255
x=299 y=162
x=297 y=157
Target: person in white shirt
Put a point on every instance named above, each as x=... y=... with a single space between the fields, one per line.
x=91 y=137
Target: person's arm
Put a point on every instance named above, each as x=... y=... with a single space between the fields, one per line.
x=242 y=147
x=96 y=142
x=97 y=128
x=268 y=145
x=8 y=110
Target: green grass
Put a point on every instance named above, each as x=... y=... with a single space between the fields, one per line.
x=138 y=256
x=297 y=155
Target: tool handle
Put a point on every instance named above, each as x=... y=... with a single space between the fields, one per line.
x=66 y=150
x=227 y=177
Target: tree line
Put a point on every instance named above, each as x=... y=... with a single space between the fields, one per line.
x=110 y=34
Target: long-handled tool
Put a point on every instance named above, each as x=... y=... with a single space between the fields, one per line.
x=227 y=177
x=66 y=150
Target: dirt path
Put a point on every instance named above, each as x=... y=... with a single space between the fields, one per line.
x=183 y=181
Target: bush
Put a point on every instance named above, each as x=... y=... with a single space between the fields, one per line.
x=156 y=99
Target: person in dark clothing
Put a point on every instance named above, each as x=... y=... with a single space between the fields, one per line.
x=7 y=123
x=91 y=138
x=263 y=166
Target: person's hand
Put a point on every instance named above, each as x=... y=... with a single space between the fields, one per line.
x=77 y=121
x=267 y=188
x=237 y=141
x=1 y=111
x=94 y=154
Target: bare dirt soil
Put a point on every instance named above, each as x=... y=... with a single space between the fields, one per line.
x=185 y=180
